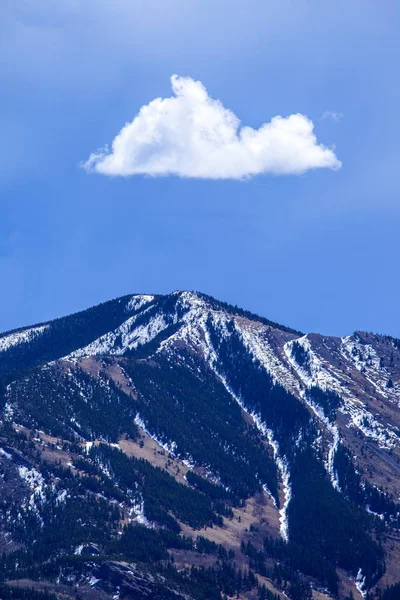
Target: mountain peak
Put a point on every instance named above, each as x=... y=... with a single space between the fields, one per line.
x=264 y=433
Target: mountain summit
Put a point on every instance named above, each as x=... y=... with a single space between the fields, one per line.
x=174 y=446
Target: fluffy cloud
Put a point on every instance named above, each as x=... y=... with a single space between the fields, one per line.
x=193 y=135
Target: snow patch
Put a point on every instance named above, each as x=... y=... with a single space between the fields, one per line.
x=126 y=337
x=256 y=342
x=137 y=302
x=318 y=375
x=333 y=446
x=62 y=497
x=366 y=360
x=36 y=484
x=281 y=461
x=5 y=454
x=88 y=447
x=360 y=583
x=21 y=337
x=140 y=517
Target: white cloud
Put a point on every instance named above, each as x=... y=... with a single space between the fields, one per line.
x=331 y=114
x=193 y=135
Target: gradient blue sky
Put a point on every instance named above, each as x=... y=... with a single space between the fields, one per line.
x=319 y=251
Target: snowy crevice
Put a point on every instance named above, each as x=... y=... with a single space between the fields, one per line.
x=255 y=341
x=333 y=446
x=317 y=377
x=280 y=460
x=195 y=334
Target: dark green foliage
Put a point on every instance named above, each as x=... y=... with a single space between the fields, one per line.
x=329 y=401
x=300 y=558
x=257 y=558
x=86 y=466
x=362 y=493
x=8 y=592
x=215 y=492
x=392 y=592
x=380 y=503
x=172 y=540
x=208 y=582
x=391 y=340
x=278 y=408
x=62 y=527
x=321 y=521
x=72 y=403
x=79 y=520
x=292 y=582
x=161 y=492
x=205 y=546
x=349 y=479
x=301 y=356
x=265 y=594
x=285 y=573
x=139 y=543
x=180 y=399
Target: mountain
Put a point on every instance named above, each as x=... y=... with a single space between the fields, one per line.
x=176 y=447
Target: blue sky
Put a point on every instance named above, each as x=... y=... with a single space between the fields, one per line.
x=318 y=251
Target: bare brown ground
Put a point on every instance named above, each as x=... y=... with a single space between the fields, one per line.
x=63 y=592
x=113 y=369
x=147 y=448
x=47 y=445
x=392 y=574
x=380 y=467
x=346 y=586
x=321 y=596
x=257 y=512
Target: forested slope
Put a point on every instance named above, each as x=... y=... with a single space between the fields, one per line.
x=178 y=447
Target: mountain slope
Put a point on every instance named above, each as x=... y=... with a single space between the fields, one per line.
x=261 y=459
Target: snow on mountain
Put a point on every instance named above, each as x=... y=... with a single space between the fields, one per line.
x=17 y=338
x=366 y=360
x=192 y=347
x=138 y=301
x=129 y=335
x=318 y=372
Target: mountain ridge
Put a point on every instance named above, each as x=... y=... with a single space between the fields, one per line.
x=306 y=424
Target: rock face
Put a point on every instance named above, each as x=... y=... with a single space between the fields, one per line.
x=134 y=426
